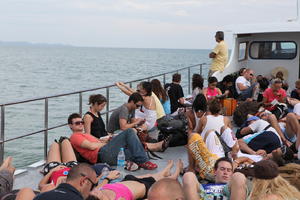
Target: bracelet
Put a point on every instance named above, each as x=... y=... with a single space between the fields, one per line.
x=108 y=179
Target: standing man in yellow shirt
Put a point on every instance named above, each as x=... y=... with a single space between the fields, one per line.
x=219 y=54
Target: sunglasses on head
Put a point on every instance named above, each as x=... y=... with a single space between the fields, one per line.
x=78 y=123
x=93 y=184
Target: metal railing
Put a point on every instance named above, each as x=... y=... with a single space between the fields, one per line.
x=46 y=107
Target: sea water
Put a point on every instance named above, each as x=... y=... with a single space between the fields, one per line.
x=35 y=71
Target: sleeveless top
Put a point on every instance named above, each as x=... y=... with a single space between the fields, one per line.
x=159 y=107
x=211 y=93
x=167 y=106
x=213 y=122
x=97 y=126
x=149 y=115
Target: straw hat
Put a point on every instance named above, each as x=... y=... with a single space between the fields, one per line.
x=283 y=70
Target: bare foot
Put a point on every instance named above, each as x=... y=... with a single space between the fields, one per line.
x=167 y=170
x=179 y=168
x=7 y=165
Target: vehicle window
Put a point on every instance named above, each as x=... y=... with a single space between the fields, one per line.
x=273 y=50
x=242 y=51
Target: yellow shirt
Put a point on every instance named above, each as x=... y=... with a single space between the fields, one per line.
x=160 y=112
x=221 y=59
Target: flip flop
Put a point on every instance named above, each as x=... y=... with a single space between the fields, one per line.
x=131 y=166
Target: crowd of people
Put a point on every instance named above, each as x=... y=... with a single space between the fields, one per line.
x=222 y=163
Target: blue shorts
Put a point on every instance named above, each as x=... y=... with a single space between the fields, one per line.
x=267 y=141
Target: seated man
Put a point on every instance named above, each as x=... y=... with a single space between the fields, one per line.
x=243 y=85
x=274 y=94
x=124 y=118
x=81 y=179
x=193 y=190
x=106 y=151
x=264 y=139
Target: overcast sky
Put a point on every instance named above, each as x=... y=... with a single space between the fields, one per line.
x=134 y=23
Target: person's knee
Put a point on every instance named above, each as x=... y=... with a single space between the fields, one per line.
x=238 y=179
x=189 y=179
x=54 y=145
x=290 y=116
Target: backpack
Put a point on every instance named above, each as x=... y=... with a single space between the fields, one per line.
x=176 y=126
x=225 y=147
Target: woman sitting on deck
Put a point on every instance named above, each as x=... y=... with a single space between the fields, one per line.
x=151 y=109
x=162 y=95
x=93 y=122
x=211 y=92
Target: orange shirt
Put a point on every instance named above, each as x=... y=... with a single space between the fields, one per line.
x=77 y=138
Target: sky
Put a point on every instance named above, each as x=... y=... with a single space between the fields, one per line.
x=179 y=24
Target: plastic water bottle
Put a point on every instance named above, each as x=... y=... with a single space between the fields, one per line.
x=105 y=172
x=121 y=160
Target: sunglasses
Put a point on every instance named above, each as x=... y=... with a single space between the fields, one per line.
x=78 y=123
x=138 y=106
x=251 y=74
x=93 y=184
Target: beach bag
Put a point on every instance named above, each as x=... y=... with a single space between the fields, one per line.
x=176 y=126
x=229 y=106
x=291 y=173
x=225 y=147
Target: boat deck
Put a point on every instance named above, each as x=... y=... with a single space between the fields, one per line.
x=31 y=176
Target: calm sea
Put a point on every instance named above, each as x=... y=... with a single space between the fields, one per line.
x=31 y=71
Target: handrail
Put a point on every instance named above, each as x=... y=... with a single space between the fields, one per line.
x=46 y=120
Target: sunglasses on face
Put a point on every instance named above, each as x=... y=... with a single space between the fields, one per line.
x=251 y=74
x=78 y=123
x=138 y=106
x=93 y=184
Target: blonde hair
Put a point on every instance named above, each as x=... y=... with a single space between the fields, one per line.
x=277 y=186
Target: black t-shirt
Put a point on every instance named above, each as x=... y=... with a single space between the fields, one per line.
x=175 y=92
x=62 y=192
x=295 y=94
x=97 y=127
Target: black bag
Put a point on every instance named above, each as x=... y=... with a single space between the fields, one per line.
x=280 y=110
x=176 y=126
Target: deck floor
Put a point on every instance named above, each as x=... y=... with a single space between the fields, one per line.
x=32 y=176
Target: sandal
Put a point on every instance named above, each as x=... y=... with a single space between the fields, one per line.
x=148 y=165
x=131 y=166
x=166 y=143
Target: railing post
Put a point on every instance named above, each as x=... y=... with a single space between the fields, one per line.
x=164 y=80
x=130 y=84
x=107 y=106
x=2 y=134
x=189 y=80
x=80 y=103
x=46 y=129
x=201 y=69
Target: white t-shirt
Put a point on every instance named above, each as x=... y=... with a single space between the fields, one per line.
x=214 y=145
x=297 y=109
x=260 y=125
x=243 y=81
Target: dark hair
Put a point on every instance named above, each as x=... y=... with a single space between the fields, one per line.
x=77 y=171
x=241 y=70
x=147 y=87
x=176 y=77
x=200 y=103
x=135 y=97
x=159 y=90
x=220 y=160
x=97 y=98
x=214 y=106
x=212 y=79
x=220 y=35
x=228 y=79
x=197 y=81
x=263 y=83
x=73 y=116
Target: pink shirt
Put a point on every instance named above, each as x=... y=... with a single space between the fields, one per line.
x=270 y=96
x=211 y=93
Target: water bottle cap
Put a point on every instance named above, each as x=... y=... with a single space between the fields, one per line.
x=122 y=148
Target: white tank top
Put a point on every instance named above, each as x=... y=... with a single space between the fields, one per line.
x=213 y=122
